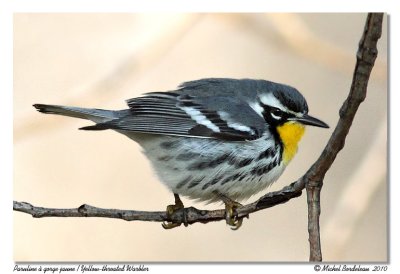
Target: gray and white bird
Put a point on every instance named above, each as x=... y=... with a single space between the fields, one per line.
x=215 y=139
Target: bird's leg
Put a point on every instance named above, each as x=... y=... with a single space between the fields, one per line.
x=230 y=211
x=171 y=209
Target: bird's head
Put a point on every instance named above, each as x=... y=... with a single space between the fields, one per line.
x=285 y=110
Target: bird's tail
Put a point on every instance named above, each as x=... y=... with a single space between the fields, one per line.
x=95 y=115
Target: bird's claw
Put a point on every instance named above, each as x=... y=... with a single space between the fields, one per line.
x=170 y=225
x=171 y=209
x=231 y=215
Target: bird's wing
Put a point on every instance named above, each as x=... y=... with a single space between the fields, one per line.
x=177 y=114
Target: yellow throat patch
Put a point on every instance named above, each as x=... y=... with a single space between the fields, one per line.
x=290 y=133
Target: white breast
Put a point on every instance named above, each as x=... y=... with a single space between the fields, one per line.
x=197 y=167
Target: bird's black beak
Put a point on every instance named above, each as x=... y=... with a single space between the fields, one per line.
x=306 y=119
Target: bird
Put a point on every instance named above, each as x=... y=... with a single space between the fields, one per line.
x=212 y=139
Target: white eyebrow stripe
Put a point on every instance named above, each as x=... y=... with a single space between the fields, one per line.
x=270 y=100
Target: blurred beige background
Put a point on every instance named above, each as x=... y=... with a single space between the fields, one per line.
x=99 y=60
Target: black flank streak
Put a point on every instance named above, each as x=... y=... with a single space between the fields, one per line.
x=237 y=175
x=183 y=182
x=242 y=177
x=216 y=180
x=227 y=179
x=232 y=161
x=186 y=156
x=169 y=144
x=211 y=164
x=193 y=184
x=266 y=154
x=279 y=151
x=198 y=180
x=260 y=170
x=276 y=163
x=213 y=182
x=244 y=162
x=218 y=160
x=239 y=163
x=198 y=166
x=231 y=178
x=165 y=158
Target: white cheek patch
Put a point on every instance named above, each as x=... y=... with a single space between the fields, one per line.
x=200 y=118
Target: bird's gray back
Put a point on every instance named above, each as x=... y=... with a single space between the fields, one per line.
x=246 y=90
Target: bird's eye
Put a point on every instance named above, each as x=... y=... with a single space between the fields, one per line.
x=276 y=113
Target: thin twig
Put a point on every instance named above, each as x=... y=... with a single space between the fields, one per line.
x=193 y=215
x=312 y=179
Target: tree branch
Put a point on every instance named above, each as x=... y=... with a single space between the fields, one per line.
x=193 y=215
x=312 y=179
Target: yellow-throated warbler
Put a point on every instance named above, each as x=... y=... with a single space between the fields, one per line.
x=212 y=139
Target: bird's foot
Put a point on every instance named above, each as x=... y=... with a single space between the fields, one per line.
x=171 y=209
x=231 y=215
